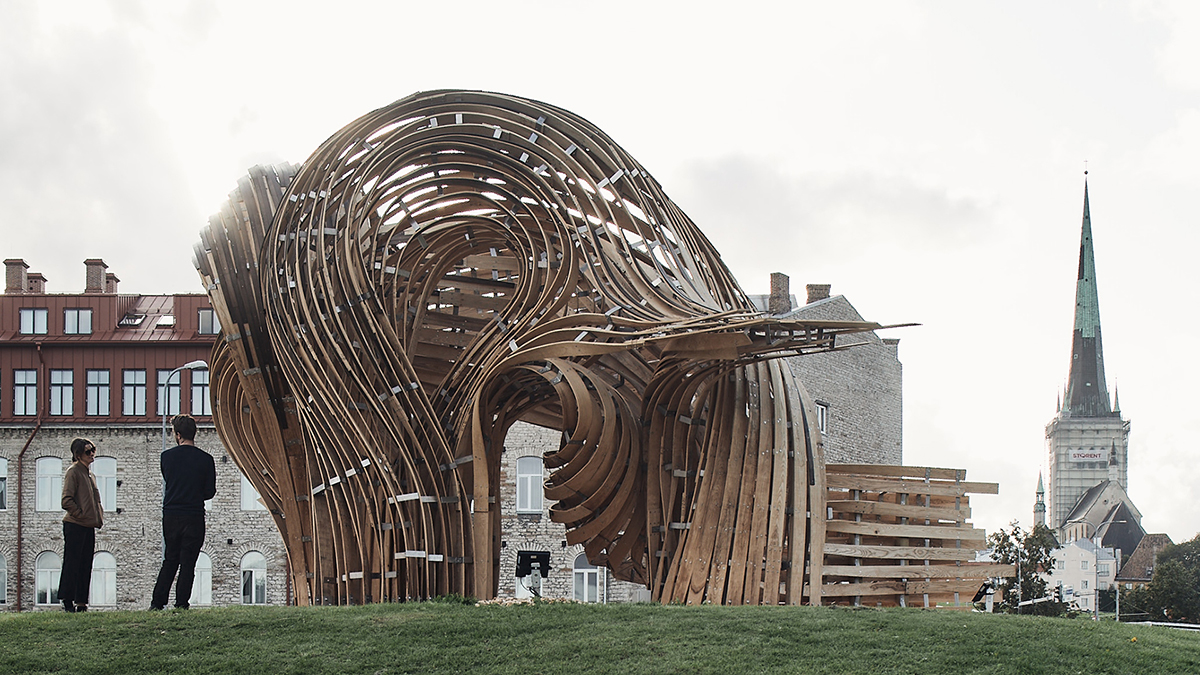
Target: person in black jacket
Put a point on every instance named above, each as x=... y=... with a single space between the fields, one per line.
x=190 y=477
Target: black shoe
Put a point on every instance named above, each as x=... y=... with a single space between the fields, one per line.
x=155 y=608
x=80 y=608
x=68 y=606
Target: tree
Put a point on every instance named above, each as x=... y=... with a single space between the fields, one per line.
x=1029 y=552
x=1174 y=590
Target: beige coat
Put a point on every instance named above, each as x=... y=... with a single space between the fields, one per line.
x=81 y=497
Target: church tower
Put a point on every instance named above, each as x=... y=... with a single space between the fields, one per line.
x=1039 y=506
x=1087 y=440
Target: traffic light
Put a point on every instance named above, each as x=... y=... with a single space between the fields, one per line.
x=1058 y=592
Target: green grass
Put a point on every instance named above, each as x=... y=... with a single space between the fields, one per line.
x=571 y=638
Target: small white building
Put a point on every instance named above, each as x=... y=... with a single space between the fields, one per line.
x=1082 y=568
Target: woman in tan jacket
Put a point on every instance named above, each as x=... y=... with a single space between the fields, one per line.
x=85 y=515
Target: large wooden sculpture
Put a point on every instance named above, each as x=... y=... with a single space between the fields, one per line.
x=457 y=261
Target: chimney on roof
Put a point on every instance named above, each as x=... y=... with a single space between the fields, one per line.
x=95 y=275
x=817 y=292
x=15 y=272
x=36 y=282
x=780 y=301
x=110 y=283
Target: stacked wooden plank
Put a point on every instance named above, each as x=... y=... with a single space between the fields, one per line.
x=457 y=261
x=900 y=536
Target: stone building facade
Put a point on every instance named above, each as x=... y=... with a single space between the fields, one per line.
x=132 y=532
x=107 y=367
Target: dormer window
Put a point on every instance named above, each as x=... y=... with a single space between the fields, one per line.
x=33 y=320
x=77 y=322
x=165 y=321
x=209 y=324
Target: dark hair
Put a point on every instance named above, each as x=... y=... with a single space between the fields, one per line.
x=185 y=426
x=79 y=446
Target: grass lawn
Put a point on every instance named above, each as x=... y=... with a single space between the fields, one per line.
x=574 y=638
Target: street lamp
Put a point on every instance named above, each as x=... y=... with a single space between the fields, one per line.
x=191 y=365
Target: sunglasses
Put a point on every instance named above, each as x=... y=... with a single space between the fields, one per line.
x=90 y=451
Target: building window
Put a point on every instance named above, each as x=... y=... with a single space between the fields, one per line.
x=105 y=470
x=587 y=580
x=3 y=483
x=133 y=394
x=77 y=321
x=823 y=417
x=529 y=485
x=62 y=392
x=47 y=567
x=1060 y=564
x=168 y=393
x=3 y=580
x=202 y=587
x=200 y=401
x=33 y=321
x=254 y=579
x=1083 y=565
x=209 y=324
x=24 y=392
x=104 y=579
x=48 y=485
x=97 y=393
x=1102 y=568
x=1085 y=584
x=250 y=497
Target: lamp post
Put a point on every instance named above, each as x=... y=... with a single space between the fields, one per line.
x=191 y=365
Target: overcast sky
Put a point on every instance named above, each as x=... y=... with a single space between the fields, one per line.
x=924 y=158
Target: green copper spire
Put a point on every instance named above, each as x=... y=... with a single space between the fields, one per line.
x=1087 y=395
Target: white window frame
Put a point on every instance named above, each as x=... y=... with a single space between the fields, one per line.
x=586 y=577
x=104 y=579
x=201 y=403
x=202 y=586
x=105 y=471
x=172 y=392
x=62 y=392
x=3 y=580
x=133 y=393
x=254 y=578
x=99 y=395
x=1083 y=565
x=48 y=570
x=25 y=392
x=529 y=484
x=208 y=322
x=823 y=417
x=34 y=320
x=77 y=321
x=250 y=496
x=48 y=484
x=3 y=484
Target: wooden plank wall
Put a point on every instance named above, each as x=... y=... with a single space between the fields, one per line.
x=900 y=536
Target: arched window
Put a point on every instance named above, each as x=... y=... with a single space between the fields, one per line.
x=587 y=580
x=105 y=470
x=529 y=485
x=202 y=588
x=3 y=580
x=250 y=497
x=104 y=579
x=254 y=579
x=3 y=483
x=47 y=569
x=49 y=484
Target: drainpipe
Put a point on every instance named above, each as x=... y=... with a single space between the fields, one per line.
x=21 y=485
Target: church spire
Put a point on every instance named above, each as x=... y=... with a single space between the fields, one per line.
x=1087 y=395
x=1039 y=506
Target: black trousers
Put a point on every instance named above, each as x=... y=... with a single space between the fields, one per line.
x=183 y=535
x=79 y=547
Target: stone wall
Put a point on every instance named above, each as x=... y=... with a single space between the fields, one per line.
x=133 y=532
